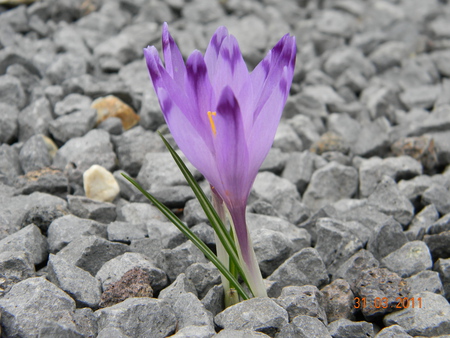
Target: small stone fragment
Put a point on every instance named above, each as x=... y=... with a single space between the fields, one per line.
x=100 y=184
x=111 y=106
x=339 y=300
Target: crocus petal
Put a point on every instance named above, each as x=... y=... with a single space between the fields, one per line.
x=267 y=74
x=153 y=65
x=231 y=149
x=201 y=93
x=213 y=49
x=172 y=57
x=266 y=124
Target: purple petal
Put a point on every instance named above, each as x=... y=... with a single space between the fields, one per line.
x=266 y=124
x=172 y=57
x=267 y=74
x=153 y=64
x=212 y=51
x=231 y=149
x=201 y=93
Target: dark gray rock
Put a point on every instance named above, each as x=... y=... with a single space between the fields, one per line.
x=441 y=146
x=90 y=253
x=15 y=266
x=441 y=225
x=160 y=320
x=335 y=244
x=303 y=301
x=422 y=221
x=150 y=113
x=34 y=154
x=268 y=186
x=12 y=92
x=213 y=300
x=323 y=188
x=425 y=280
x=195 y=331
x=437 y=120
x=388 y=54
x=112 y=125
x=352 y=268
x=139 y=213
x=9 y=126
x=231 y=333
x=73 y=125
x=411 y=258
x=308 y=105
x=344 y=125
x=344 y=328
x=79 y=284
x=45 y=180
x=259 y=314
x=177 y=260
x=132 y=147
x=286 y=139
x=304 y=327
x=181 y=285
x=85 y=321
x=30 y=304
x=172 y=197
x=34 y=119
x=204 y=276
x=305 y=267
x=430 y=317
x=388 y=199
x=387 y=237
x=193 y=213
x=339 y=300
x=29 y=240
x=65 y=229
x=438 y=244
x=299 y=169
x=420 y=97
x=414 y=187
x=372 y=171
x=84 y=207
x=113 y=270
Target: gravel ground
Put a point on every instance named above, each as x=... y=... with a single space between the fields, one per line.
x=349 y=215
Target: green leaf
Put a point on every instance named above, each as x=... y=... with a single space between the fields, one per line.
x=225 y=238
x=191 y=236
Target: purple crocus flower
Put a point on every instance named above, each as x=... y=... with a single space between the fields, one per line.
x=222 y=117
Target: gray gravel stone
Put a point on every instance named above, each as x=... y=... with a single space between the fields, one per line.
x=388 y=199
x=93 y=148
x=351 y=269
x=231 y=333
x=197 y=314
x=411 y=258
x=259 y=314
x=443 y=267
x=303 y=327
x=425 y=280
x=299 y=169
x=269 y=186
x=90 y=253
x=126 y=232
x=30 y=304
x=193 y=213
x=75 y=124
x=439 y=196
x=432 y=318
x=160 y=320
x=344 y=328
x=12 y=92
x=66 y=66
x=303 y=301
x=9 y=164
x=177 y=260
x=373 y=138
x=387 y=237
x=195 y=331
x=421 y=221
x=372 y=171
x=65 y=229
x=420 y=97
x=15 y=266
x=286 y=139
x=437 y=120
x=46 y=180
x=388 y=54
x=34 y=154
x=438 y=244
x=305 y=267
x=34 y=119
x=393 y=331
x=330 y=184
x=79 y=284
x=9 y=126
x=139 y=213
x=204 y=276
x=113 y=270
x=29 y=240
x=213 y=300
x=84 y=207
x=132 y=147
x=181 y=285
x=335 y=244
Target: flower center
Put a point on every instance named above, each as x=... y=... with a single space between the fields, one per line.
x=211 y=121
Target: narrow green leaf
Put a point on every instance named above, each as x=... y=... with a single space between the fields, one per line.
x=191 y=236
x=214 y=219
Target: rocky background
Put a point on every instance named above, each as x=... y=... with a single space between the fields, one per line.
x=350 y=214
